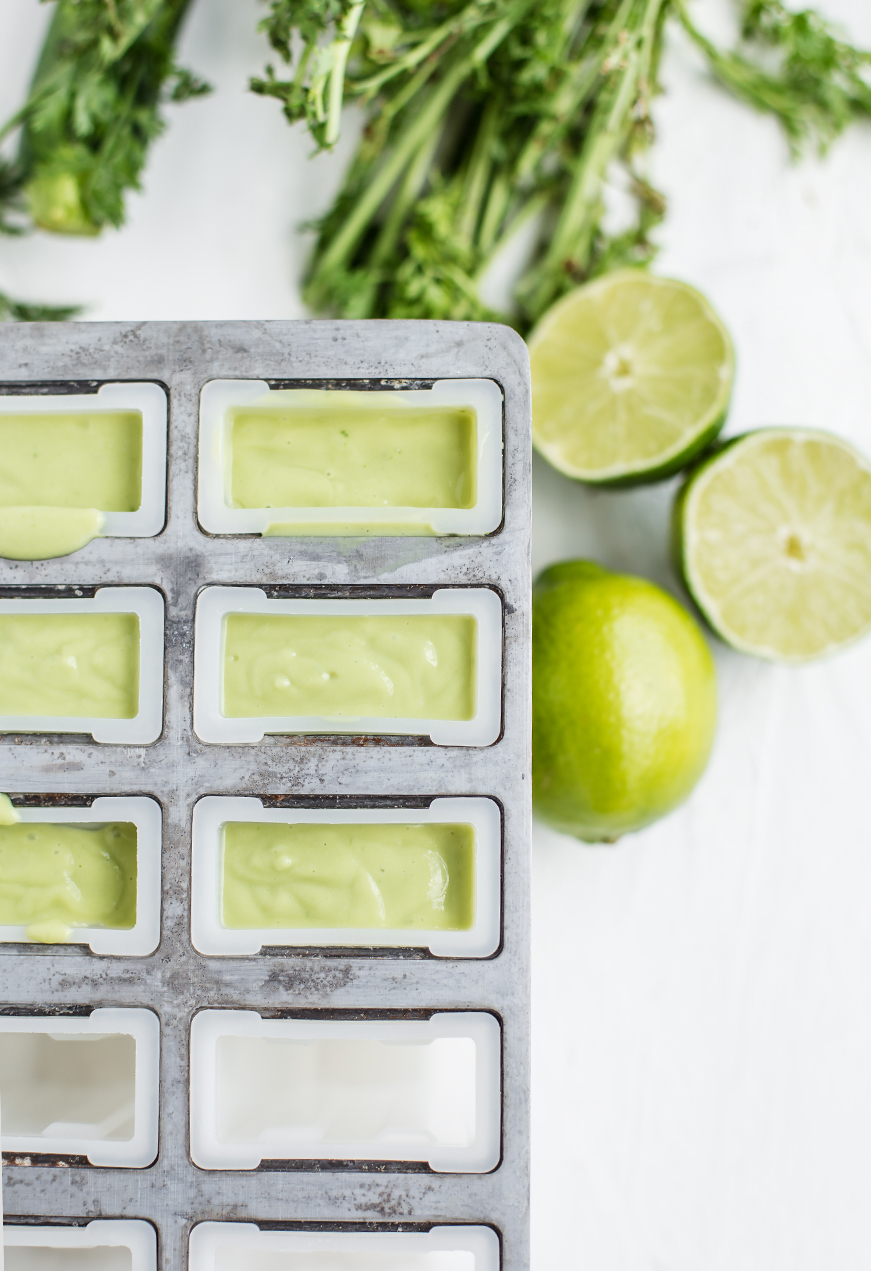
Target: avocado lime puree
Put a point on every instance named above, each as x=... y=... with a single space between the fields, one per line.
x=60 y=472
x=412 y=666
x=404 y=877
x=69 y=664
x=352 y=451
x=83 y=459
x=35 y=533
x=54 y=877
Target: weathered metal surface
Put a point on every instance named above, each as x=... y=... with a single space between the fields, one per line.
x=178 y=769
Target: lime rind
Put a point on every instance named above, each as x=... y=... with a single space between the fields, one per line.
x=693 y=440
x=685 y=513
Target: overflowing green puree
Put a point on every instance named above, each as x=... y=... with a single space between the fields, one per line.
x=401 y=877
x=399 y=666
x=352 y=452
x=60 y=472
x=78 y=665
x=56 y=877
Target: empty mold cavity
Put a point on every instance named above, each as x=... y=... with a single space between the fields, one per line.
x=345 y=1090
x=335 y=462
x=83 y=876
x=385 y=877
x=421 y=667
x=81 y=1085
x=124 y=1244
x=231 y=1246
x=84 y=665
x=76 y=467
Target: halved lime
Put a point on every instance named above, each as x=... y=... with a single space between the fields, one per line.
x=631 y=377
x=774 y=540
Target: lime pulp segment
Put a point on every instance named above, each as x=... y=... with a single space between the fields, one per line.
x=775 y=541
x=631 y=376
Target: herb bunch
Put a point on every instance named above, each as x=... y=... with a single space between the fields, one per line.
x=484 y=114
x=106 y=68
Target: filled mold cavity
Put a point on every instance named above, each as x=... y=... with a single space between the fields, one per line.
x=427 y=667
x=238 y=1246
x=81 y=1086
x=366 y=1090
x=335 y=462
x=84 y=665
x=384 y=878
x=123 y=1244
x=76 y=467
x=82 y=875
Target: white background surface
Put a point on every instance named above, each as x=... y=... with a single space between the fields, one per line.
x=702 y=1034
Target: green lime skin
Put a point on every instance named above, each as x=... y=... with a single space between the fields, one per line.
x=624 y=701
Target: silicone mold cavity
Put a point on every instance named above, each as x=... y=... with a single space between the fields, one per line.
x=218 y=516
x=145 y=814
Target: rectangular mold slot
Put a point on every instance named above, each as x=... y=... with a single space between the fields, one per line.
x=81 y=466
x=380 y=463
x=101 y=860
x=389 y=877
x=414 y=667
x=81 y=1085
x=90 y=665
x=237 y=1246
x=106 y=1244
x=346 y=1090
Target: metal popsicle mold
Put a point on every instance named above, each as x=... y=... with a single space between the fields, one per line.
x=176 y=982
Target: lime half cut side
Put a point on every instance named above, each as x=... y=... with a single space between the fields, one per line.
x=631 y=377
x=774 y=538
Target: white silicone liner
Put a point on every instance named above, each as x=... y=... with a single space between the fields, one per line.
x=103 y=1233
x=214 y=603
x=146 y=725
x=150 y=400
x=211 y=937
x=482 y=1154
x=242 y=1245
x=145 y=814
x=69 y=1139
x=218 y=516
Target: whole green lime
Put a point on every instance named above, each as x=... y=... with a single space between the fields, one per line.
x=624 y=701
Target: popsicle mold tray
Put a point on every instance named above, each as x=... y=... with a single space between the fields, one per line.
x=287 y=1090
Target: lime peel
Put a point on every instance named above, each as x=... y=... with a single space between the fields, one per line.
x=624 y=701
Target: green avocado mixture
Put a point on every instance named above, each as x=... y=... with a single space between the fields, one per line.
x=69 y=664
x=400 y=877
x=54 y=877
x=353 y=456
x=60 y=472
x=403 y=666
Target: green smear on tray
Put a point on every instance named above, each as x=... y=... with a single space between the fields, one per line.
x=42 y=533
